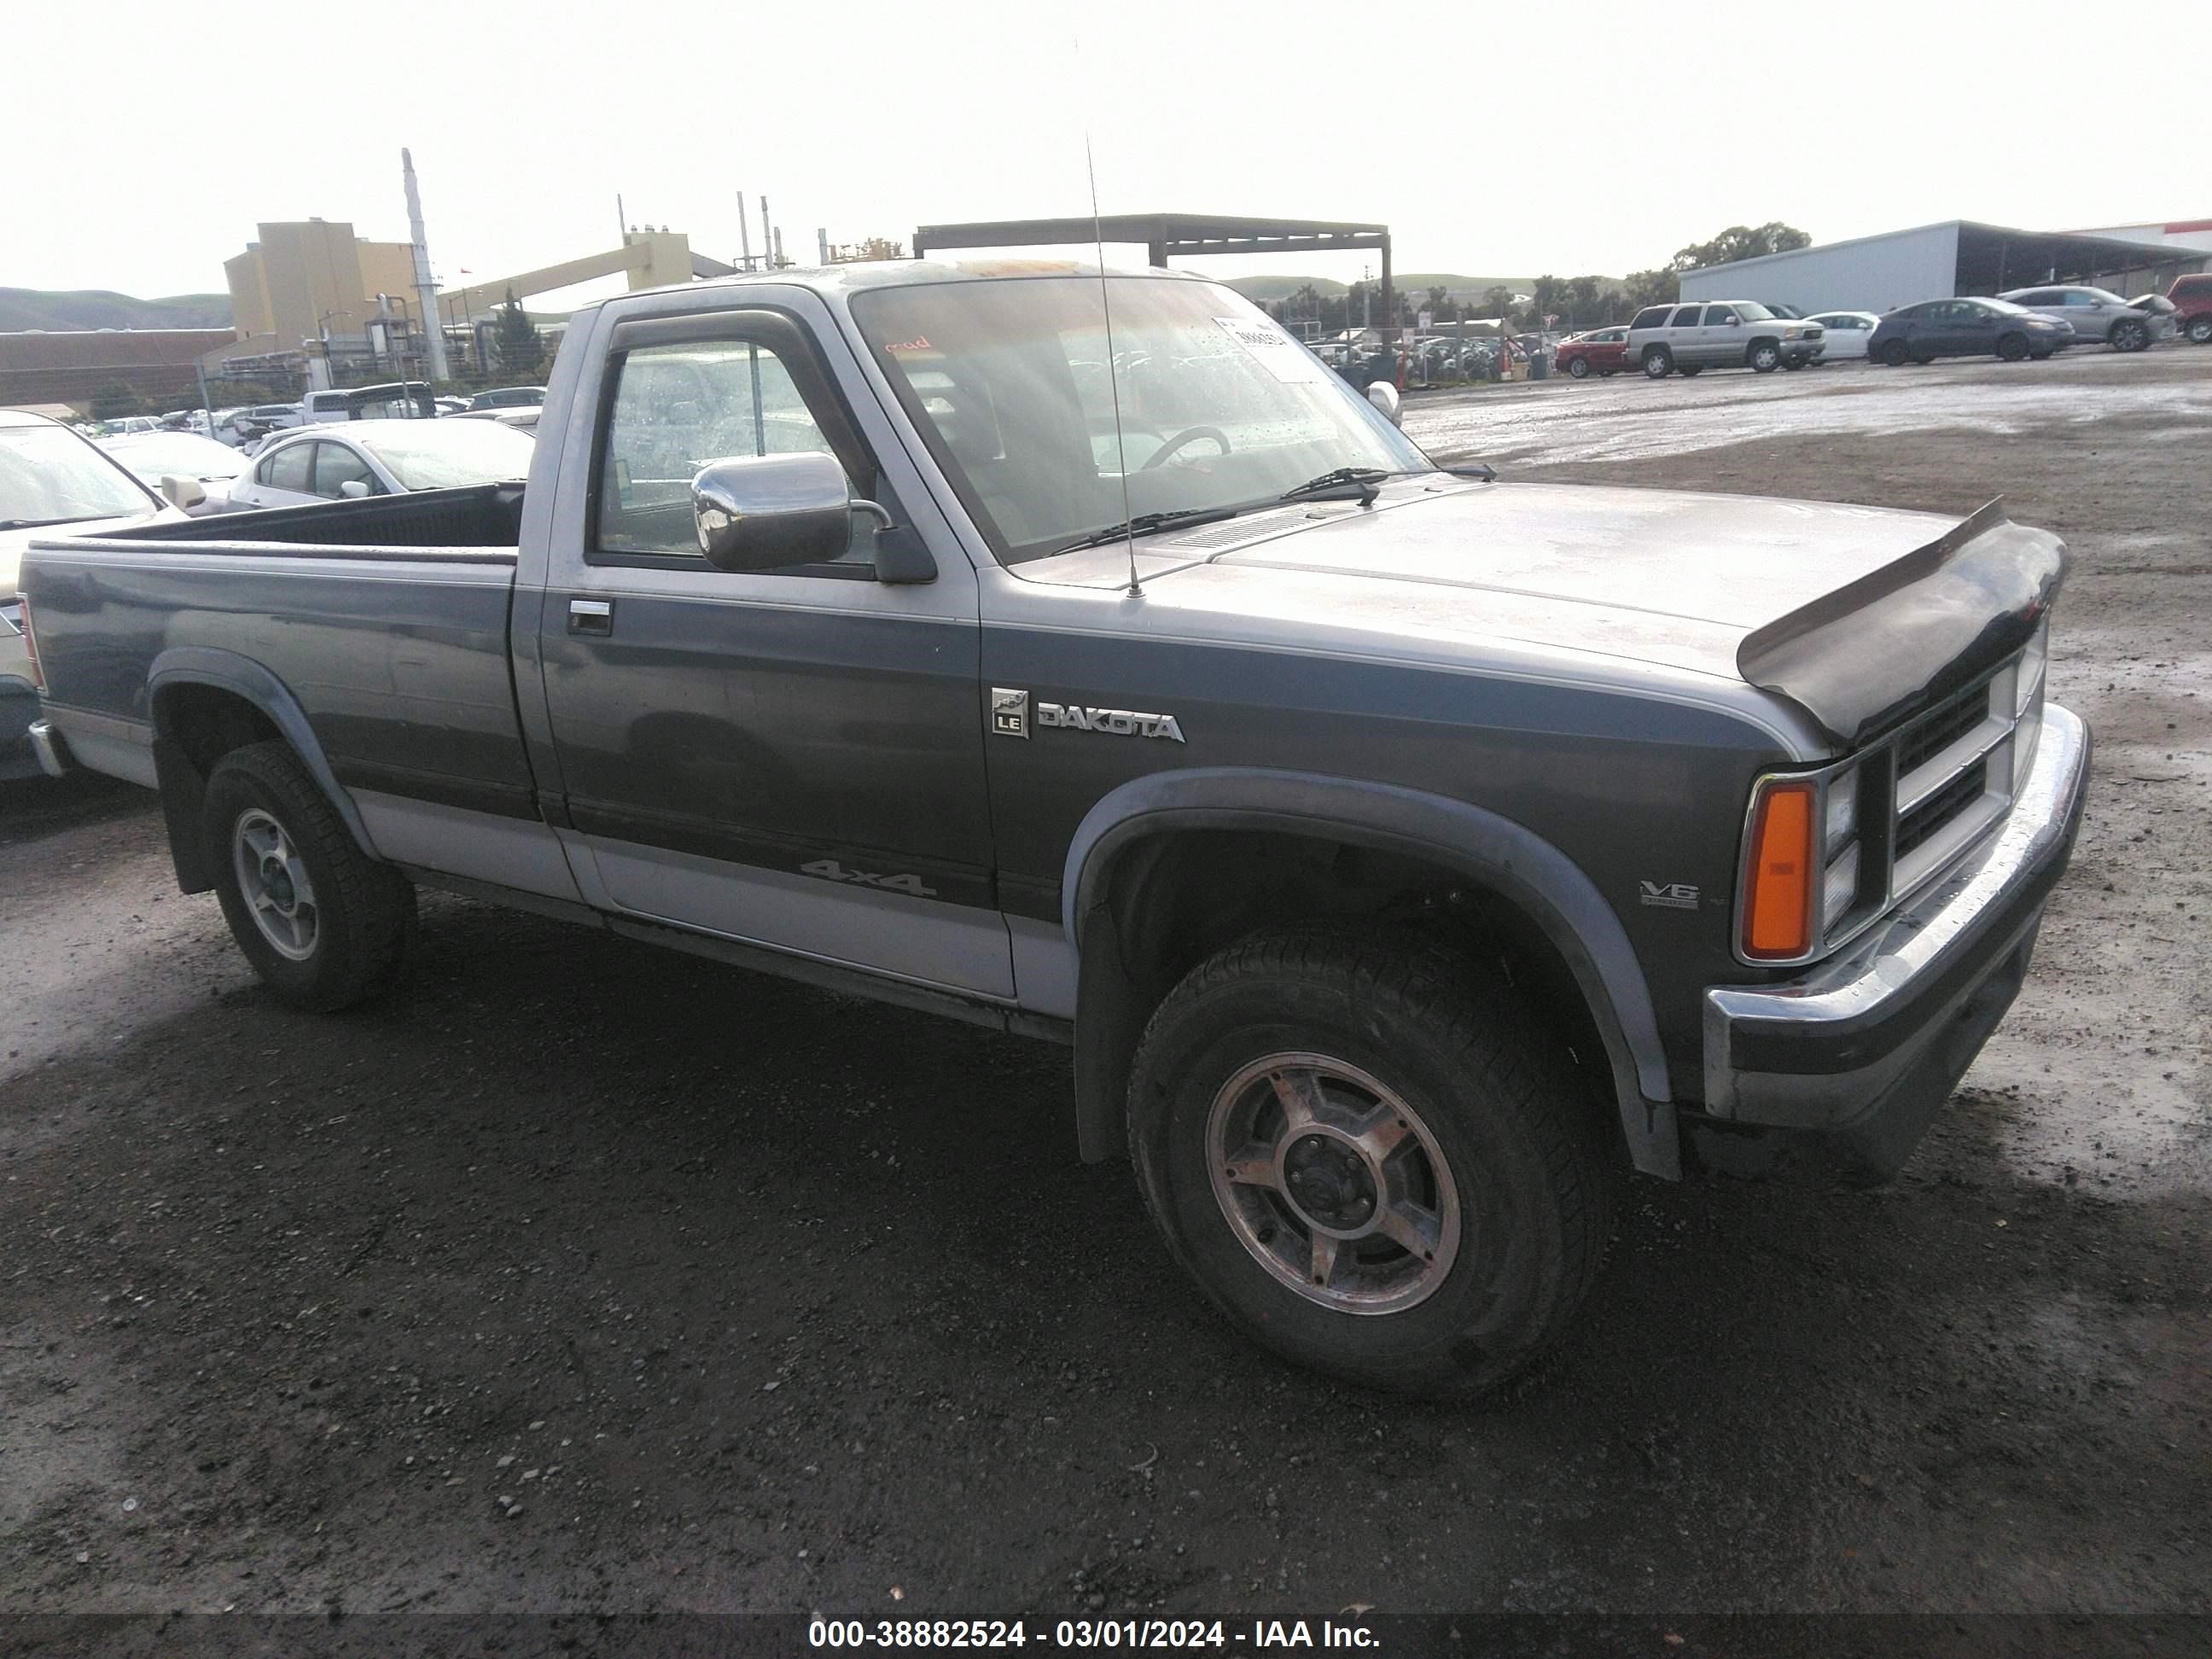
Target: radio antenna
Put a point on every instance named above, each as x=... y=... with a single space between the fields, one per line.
x=1113 y=374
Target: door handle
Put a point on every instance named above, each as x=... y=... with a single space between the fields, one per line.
x=593 y=616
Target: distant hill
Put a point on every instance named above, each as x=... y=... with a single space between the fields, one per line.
x=29 y=308
x=1261 y=289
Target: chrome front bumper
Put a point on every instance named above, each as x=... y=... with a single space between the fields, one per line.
x=1864 y=1049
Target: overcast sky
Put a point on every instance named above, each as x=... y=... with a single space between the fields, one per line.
x=146 y=140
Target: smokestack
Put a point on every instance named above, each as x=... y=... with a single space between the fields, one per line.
x=779 y=260
x=744 y=236
x=822 y=243
x=426 y=289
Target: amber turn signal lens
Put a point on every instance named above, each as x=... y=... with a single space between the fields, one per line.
x=1778 y=910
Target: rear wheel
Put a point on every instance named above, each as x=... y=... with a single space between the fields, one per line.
x=2200 y=329
x=1371 y=1157
x=2128 y=336
x=1895 y=353
x=324 y=925
x=1579 y=368
x=1658 y=361
x=2012 y=347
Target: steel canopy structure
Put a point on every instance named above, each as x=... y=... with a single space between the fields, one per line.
x=1165 y=235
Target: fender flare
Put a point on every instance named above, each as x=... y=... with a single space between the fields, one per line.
x=1506 y=857
x=244 y=679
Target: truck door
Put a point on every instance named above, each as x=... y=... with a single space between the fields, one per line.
x=792 y=759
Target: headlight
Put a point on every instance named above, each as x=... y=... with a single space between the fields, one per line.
x=1793 y=333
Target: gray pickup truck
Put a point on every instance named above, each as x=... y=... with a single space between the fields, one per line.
x=1405 y=856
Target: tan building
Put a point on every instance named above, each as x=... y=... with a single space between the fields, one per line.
x=299 y=281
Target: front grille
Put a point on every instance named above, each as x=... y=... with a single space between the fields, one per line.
x=1925 y=795
x=1916 y=828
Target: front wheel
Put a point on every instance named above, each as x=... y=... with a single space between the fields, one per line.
x=2128 y=336
x=1371 y=1157
x=1895 y=353
x=2011 y=348
x=1658 y=361
x=1765 y=357
x=324 y=925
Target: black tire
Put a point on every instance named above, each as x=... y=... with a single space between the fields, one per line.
x=2128 y=336
x=1895 y=353
x=2012 y=348
x=1579 y=368
x=1496 y=1096
x=1764 y=356
x=1794 y=363
x=362 y=912
x=2043 y=356
x=2200 y=329
x=1691 y=371
x=1658 y=361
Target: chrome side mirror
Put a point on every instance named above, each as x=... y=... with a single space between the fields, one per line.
x=1384 y=397
x=764 y=512
x=183 y=493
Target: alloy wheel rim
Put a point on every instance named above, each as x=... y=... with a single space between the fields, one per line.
x=274 y=881
x=1333 y=1183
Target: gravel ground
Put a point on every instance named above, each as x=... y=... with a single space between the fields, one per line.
x=580 y=1277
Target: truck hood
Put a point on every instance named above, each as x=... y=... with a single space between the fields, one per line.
x=1857 y=614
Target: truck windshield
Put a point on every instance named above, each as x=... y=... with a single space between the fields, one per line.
x=48 y=475
x=1011 y=384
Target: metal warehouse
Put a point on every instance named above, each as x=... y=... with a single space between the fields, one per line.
x=1936 y=262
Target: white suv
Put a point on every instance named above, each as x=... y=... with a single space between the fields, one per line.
x=1720 y=334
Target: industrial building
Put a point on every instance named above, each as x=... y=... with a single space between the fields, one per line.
x=69 y=366
x=1940 y=261
x=312 y=280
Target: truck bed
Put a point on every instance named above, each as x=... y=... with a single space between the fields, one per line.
x=378 y=626
x=482 y=517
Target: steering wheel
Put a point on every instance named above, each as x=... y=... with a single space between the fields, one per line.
x=1189 y=435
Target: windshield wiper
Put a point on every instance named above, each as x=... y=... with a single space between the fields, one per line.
x=1149 y=524
x=1366 y=481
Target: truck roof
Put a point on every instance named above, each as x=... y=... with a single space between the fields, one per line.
x=910 y=273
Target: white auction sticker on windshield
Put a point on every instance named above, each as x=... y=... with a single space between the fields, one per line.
x=1277 y=352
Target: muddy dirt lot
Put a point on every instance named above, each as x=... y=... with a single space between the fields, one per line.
x=582 y=1277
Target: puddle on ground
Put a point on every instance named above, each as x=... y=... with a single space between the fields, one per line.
x=1636 y=419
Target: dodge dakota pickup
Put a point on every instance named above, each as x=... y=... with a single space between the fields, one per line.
x=1406 y=856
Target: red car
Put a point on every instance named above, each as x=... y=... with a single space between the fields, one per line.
x=2192 y=304
x=1601 y=351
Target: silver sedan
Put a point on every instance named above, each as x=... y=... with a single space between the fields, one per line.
x=380 y=457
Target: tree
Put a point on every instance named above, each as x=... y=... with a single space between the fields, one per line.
x=1498 y=302
x=1652 y=287
x=1589 y=304
x=1439 y=301
x=113 y=401
x=1739 y=242
x=515 y=339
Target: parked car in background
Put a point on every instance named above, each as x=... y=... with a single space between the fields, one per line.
x=381 y=457
x=2192 y=306
x=2094 y=313
x=1788 y=313
x=50 y=476
x=508 y=397
x=522 y=420
x=1845 y=333
x=1601 y=351
x=157 y=459
x=1967 y=328
x=1719 y=334
x=410 y=400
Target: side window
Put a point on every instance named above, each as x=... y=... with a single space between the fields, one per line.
x=2080 y=296
x=1722 y=315
x=1651 y=317
x=335 y=465
x=1686 y=316
x=287 y=469
x=677 y=407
